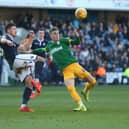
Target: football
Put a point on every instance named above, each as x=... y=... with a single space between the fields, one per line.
x=80 y=13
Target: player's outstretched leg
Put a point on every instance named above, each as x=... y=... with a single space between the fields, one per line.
x=37 y=85
x=36 y=92
x=90 y=84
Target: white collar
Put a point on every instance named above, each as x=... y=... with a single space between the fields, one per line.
x=40 y=40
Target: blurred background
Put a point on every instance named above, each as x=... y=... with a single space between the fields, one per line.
x=104 y=48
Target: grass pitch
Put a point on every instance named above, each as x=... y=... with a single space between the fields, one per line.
x=108 y=109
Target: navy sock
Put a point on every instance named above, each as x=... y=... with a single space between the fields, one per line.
x=33 y=88
x=26 y=95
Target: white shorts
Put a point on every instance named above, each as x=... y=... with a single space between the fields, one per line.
x=26 y=62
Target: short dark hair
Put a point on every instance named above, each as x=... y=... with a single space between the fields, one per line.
x=41 y=30
x=54 y=29
x=8 y=26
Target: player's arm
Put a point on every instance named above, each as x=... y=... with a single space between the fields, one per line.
x=23 y=48
x=39 y=50
x=76 y=40
x=40 y=59
x=3 y=40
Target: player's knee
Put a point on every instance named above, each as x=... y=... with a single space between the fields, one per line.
x=93 y=82
x=28 y=81
x=70 y=88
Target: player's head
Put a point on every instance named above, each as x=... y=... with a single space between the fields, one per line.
x=11 y=29
x=41 y=34
x=54 y=34
x=31 y=34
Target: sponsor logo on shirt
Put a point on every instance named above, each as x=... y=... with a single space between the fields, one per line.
x=56 y=49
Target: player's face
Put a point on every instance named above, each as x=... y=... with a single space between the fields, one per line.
x=41 y=34
x=55 y=35
x=31 y=35
x=12 y=31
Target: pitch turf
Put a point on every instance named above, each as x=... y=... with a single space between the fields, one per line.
x=108 y=109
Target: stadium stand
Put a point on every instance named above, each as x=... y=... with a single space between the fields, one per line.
x=102 y=42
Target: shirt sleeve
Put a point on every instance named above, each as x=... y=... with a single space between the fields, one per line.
x=39 y=50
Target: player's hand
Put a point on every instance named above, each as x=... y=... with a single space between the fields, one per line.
x=10 y=43
x=76 y=33
x=29 y=52
x=40 y=59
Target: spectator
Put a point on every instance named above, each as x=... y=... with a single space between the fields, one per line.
x=101 y=74
x=41 y=71
x=1 y=61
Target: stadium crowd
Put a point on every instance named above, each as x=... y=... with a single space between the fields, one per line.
x=103 y=44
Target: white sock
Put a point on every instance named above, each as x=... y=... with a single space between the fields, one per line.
x=23 y=105
x=33 y=91
x=81 y=105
